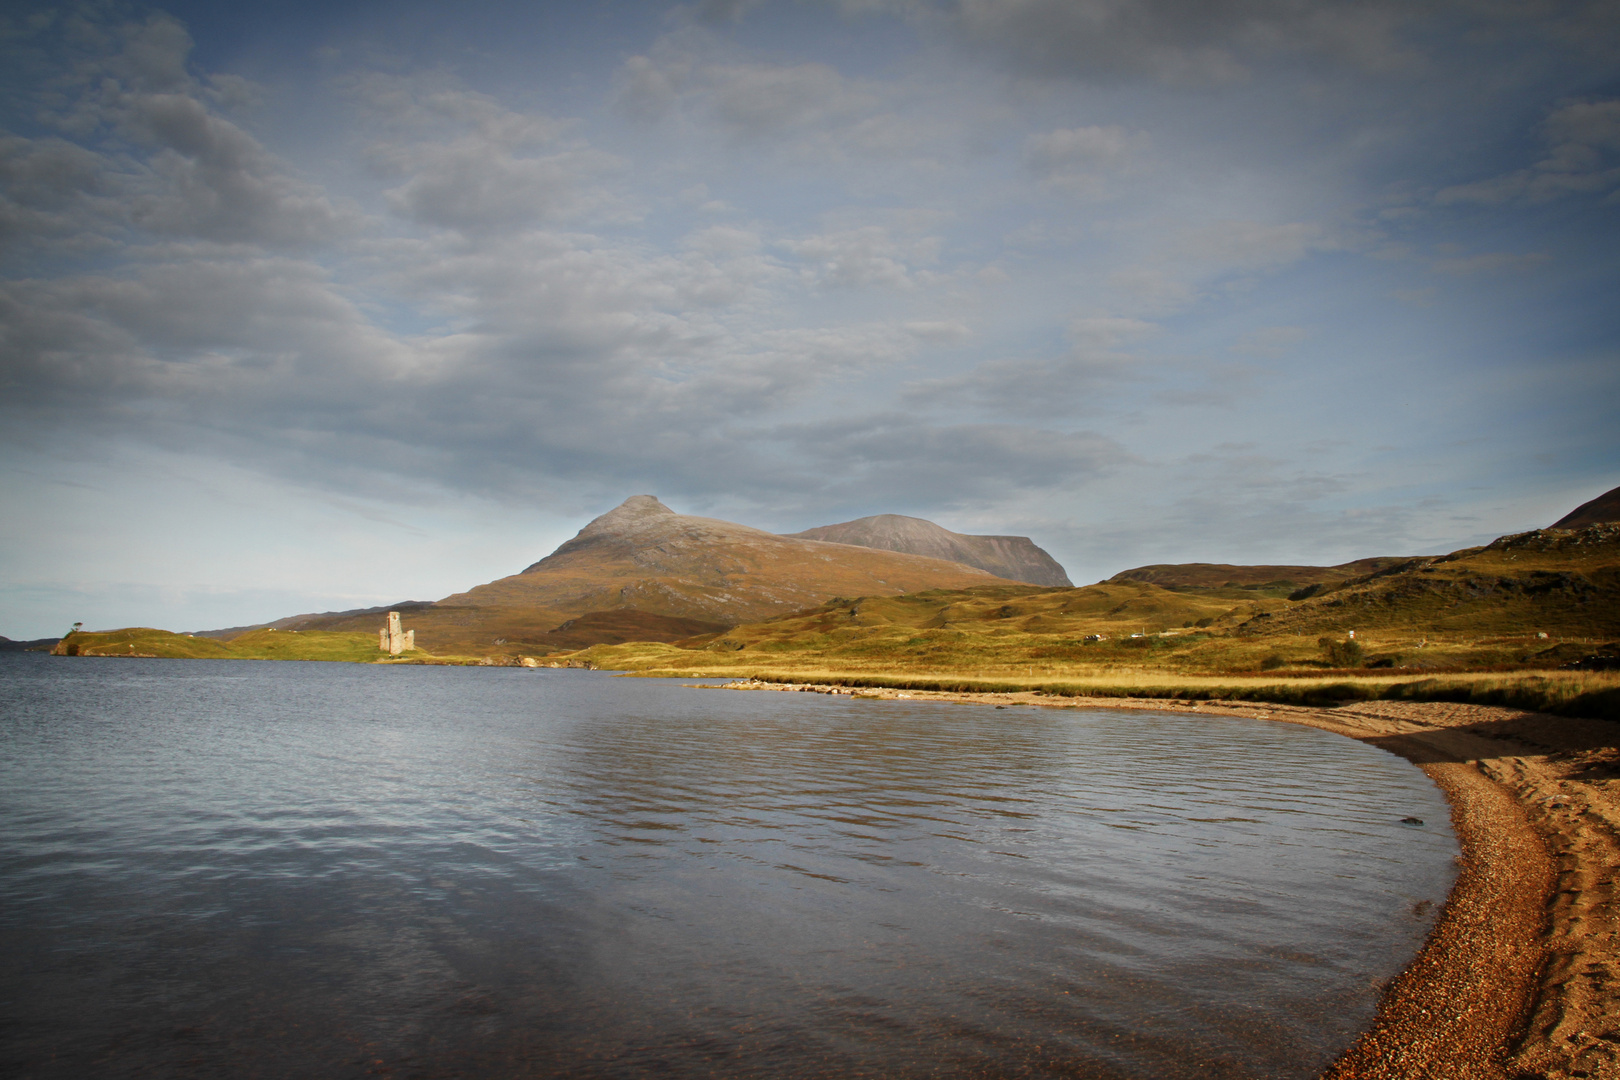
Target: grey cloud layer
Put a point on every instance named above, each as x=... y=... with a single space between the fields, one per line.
x=562 y=355
x=741 y=273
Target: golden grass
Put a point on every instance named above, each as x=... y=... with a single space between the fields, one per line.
x=1575 y=693
x=143 y=641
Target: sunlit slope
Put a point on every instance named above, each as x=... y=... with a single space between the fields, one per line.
x=142 y=641
x=1109 y=609
x=642 y=557
x=1001 y=628
x=1553 y=581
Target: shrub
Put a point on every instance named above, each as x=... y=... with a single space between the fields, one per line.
x=1341 y=654
x=1273 y=661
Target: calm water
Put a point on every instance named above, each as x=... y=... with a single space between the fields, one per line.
x=230 y=868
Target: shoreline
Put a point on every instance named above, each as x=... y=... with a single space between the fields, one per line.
x=1520 y=977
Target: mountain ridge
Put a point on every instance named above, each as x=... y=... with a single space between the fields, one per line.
x=1016 y=558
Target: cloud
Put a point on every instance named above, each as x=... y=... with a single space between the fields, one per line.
x=227 y=342
x=1251 y=245
x=939 y=333
x=724 y=240
x=1107 y=332
x=1071 y=383
x=555 y=358
x=141 y=149
x=1270 y=342
x=1080 y=160
x=1489 y=262
x=758 y=99
x=898 y=460
x=809 y=111
x=1583 y=158
x=474 y=184
x=871 y=255
x=51 y=188
x=748 y=100
x=208 y=179
x=1151 y=290
x=724 y=10
x=1186 y=263
x=467 y=163
x=1209 y=42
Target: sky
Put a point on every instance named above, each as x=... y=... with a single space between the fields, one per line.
x=311 y=306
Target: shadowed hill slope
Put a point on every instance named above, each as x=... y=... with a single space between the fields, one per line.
x=1015 y=558
x=1604 y=508
x=671 y=570
x=1274 y=578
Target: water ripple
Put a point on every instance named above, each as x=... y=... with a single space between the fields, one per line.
x=239 y=869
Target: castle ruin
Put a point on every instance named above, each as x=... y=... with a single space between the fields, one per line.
x=392 y=640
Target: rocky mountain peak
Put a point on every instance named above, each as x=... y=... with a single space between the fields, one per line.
x=635 y=511
x=646 y=528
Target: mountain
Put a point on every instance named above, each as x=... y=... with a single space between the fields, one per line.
x=1015 y=558
x=1605 y=507
x=662 y=576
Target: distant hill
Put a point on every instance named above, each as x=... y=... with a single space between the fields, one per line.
x=1604 y=508
x=293 y=622
x=36 y=645
x=1274 y=578
x=1545 y=581
x=661 y=576
x=1015 y=558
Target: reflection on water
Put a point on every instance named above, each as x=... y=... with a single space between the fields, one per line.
x=230 y=868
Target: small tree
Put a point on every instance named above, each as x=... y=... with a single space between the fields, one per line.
x=1345 y=653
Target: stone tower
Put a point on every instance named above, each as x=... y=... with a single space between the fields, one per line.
x=392 y=640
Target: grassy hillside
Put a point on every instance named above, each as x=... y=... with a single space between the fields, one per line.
x=143 y=641
x=1558 y=582
x=1502 y=620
